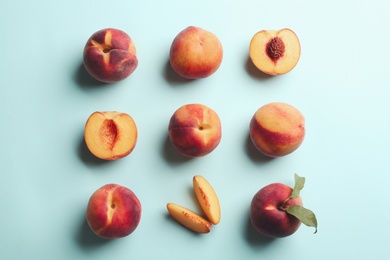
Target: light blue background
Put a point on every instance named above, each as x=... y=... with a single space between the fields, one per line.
x=341 y=85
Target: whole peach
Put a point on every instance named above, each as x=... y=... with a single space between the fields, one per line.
x=195 y=130
x=113 y=211
x=110 y=55
x=277 y=129
x=268 y=211
x=195 y=53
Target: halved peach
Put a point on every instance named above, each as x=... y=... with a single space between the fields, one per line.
x=110 y=135
x=207 y=198
x=275 y=52
x=189 y=219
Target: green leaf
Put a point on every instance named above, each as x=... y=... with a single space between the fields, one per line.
x=305 y=215
x=299 y=184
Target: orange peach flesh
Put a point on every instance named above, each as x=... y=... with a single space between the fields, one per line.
x=110 y=135
x=275 y=52
x=207 y=199
x=189 y=219
x=277 y=129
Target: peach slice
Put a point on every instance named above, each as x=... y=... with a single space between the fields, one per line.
x=110 y=135
x=189 y=219
x=275 y=52
x=207 y=198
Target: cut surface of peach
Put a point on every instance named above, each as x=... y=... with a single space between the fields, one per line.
x=207 y=198
x=110 y=135
x=189 y=218
x=275 y=52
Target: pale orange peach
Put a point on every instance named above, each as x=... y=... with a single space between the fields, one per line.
x=277 y=129
x=196 y=53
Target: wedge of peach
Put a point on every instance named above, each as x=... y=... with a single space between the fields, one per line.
x=110 y=135
x=275 y=52
x=207 y=198
x=189 y=219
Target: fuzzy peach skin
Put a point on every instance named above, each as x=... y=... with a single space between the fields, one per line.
x=277 y=129
x=267 y=214
x=195 y=53
x=275 y=52
x=113 y=211
x=110 y=135
x=195 y=130
x=110 y=55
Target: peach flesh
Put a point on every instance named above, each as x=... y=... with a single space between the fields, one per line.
x=275 y=52
x=110 y=135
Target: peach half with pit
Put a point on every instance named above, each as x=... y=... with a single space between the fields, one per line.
x=110 y=55
x=110 y=135
x=275 y=52
x=113 y=211
x=195 y=130
x=277 y=129
x=195 y=53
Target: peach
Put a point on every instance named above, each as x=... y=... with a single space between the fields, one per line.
x=189 y=219
x=277 y=129
x=195 y=53
x=268 y=213
x=195 y=130
x=275 y=51
x=207 y=199
x=110 y=55
x=113 y=211
x=110 y=135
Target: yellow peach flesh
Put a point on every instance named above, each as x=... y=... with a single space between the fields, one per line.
x=286 y=62
x=207 y=199
x=110 y=135
x=189 y=219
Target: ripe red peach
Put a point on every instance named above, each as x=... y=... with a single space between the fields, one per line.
x=277 y=129
x=268 y=211
x=195 y=53
x=113 y=211
x=110 y=55
x=110 y=135
x=195 y=130
x=275 y=51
